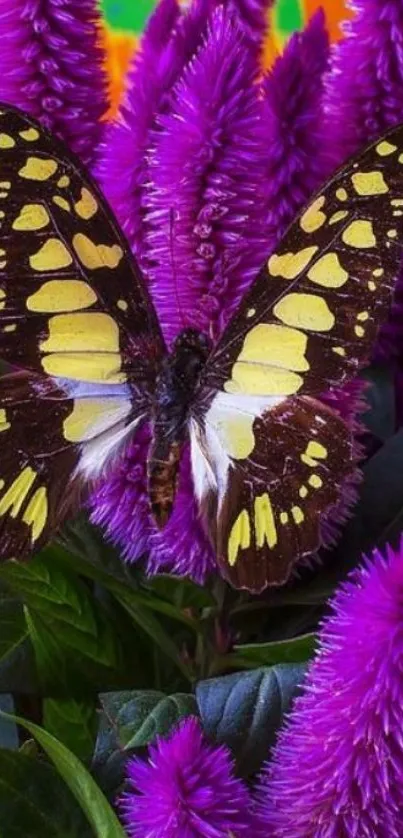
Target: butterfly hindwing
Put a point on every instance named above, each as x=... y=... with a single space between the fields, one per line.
x=52 y=446
x=307 y=324
x=72 y=301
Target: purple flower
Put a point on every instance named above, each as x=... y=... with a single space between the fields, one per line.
x=337 y=768
x=186 y=789
x=52 y=67
x=293 y=99
x=204 y=244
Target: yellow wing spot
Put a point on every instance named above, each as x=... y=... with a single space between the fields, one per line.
x=305 y=311
x=89 y=332
x=5 y=185
x=315 y=481
x=239 y=537
x=36 y=513
x=397 y=213
x=303 y=491
x=101 y=367
x=95 y=256
x=378 y=272
x=362 y=316
x=52 y=256
x=385 y=148
x=338 y=216
x=15 y=495
x=62 y=295
x=10 y=328
x=283 y=518
x=31 y=217
x=328 y=272
x=359 y=234
x=61 y=202
x=63 y=181
x=30 y=135
x=3 y=261
x=369 y=183
x=2 y=214
x=6 y=141
x=313 y=218
x=4 y=424
x=234 y=431
x=262 y=380
x=289 y=265
x=2 y=299
x=278 y=346
x=339 y=350
x=122 y=304
x=91 y=416
x=314 y=451
x=397 y=202
x=297 y=514
x=371 y=285
x=38 y=168
x=400 y=158
x=359 y=331
x=251 y=312
x=265 y=526
x=87 y=206
x=392 y=234
x=341 y=194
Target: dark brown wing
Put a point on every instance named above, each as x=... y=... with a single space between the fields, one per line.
x=308 y=323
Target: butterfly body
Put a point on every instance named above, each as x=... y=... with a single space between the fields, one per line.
x=270 y=458
x=173 y=397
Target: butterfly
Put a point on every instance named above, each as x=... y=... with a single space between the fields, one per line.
x=89 y=364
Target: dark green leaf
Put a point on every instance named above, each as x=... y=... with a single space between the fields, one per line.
x=296 y=650
x=89 y=796
x=65 y=605
x=17 y=671
x=73 y=723
x=34 y=801
x=380 y=418
x=139 y=716
x=244 y=710
x=8 y=732
x=183 y=593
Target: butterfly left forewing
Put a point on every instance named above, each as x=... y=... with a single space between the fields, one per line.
x=307 y=324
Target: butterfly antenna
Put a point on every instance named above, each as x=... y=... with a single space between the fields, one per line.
x=173 y=266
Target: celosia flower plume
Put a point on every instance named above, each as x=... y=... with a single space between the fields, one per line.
x=336 y=771
x=52 y=67
x=186 y=789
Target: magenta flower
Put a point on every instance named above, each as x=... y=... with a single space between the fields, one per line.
x=338 y=765
x=52 y=67
x=186 y=789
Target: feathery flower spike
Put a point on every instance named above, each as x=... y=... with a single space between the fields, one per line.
x=336 y=771
x=186 y=789
x=52 y=67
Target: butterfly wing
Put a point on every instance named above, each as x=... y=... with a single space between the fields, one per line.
x=76 y=319
x=307 y=324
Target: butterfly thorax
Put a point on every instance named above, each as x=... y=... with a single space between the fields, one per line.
x=174 y=394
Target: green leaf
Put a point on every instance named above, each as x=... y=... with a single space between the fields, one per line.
x=139 y=716
x=182 y=593
x=244 y=710
x=65 y=605
x=34 y=801
x=296 y=650
x=17 y=672
x=380 y=418
x=84 y=788
x=151 y=626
